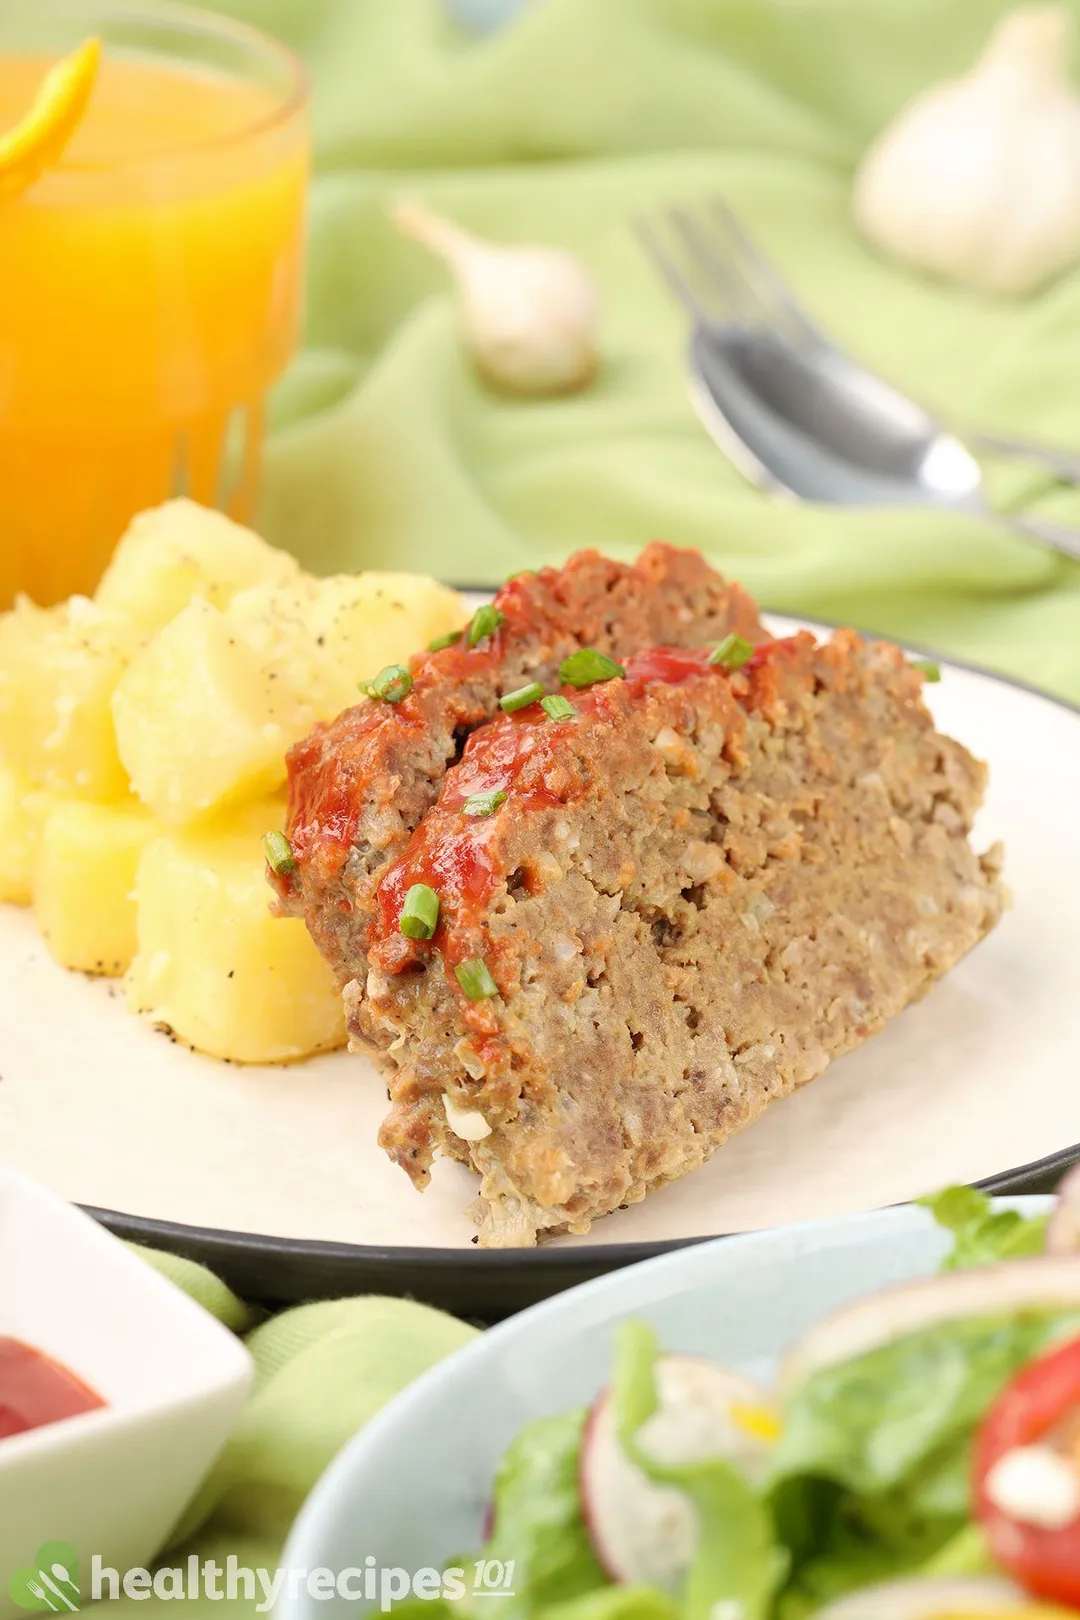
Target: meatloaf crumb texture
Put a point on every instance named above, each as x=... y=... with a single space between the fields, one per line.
x=739 y=878
x=360 y=785
x=699 y=890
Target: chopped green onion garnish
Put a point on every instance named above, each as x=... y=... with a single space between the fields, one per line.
x=390 y=685
x=475 y=979
x=522 y=697
x=520 y=573
x=587 y=666
x=558 y=708
x=927 y=669
x=732 y=652
x=484 y=622
x=278 y=852
x=420 y=913
x=441 y=642
x=484 y=804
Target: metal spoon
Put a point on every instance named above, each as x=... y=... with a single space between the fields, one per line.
x=819 y=430
x=801 y=418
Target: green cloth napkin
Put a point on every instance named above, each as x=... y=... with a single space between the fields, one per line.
x=386 y=451
x=321 y=1371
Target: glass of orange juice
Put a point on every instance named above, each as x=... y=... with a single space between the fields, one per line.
x=150 y=282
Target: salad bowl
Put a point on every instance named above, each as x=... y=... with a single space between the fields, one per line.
x=742 y=1302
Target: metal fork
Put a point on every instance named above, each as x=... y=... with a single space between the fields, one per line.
x=800 y=417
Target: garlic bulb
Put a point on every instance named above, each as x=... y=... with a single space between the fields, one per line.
x=979 y=178
x=529 y=314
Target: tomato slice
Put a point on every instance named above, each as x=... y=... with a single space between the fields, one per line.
x=1042 y=1396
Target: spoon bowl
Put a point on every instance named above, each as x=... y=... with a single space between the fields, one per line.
x=811 y=426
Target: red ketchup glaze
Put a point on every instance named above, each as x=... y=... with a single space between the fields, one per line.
x=672 y=665
x=522 y=755
x=35 y=1390
x=321 y=802
x=449 y=850
x=766 y=652
x=327 y=790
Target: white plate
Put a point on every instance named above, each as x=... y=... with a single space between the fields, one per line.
x=974 y=1082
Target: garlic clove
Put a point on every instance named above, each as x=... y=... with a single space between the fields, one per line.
x=977 y=179
x=1029 y=47
x=529 y=313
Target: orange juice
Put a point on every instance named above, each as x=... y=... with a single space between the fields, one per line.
x=149 y=294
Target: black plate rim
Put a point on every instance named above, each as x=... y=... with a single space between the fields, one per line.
x=145 y=1228
x=405 y=1269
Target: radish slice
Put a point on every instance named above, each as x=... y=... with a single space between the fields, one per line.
x=926 y=1600
x=1044 y=1281
x=1063 y=1228
x=646 y=1533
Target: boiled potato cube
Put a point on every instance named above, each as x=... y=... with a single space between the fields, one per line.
x=214 y=965
x=84 y=878
x=251 y=819
x=181 y=550
x=59 y=667
x=16 y=839
x=274 y=621
x=366 y=621
x=198 y=722
x=321 y=637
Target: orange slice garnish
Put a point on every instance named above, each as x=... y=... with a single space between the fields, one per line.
x=38 y=139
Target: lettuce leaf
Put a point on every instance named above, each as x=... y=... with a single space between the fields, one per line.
x=607 y=1603
x=736 y=1561
x=870 y=1476
x=983 y=1234
x=617 y=1603
x=538 y=1523
x=968 y=1553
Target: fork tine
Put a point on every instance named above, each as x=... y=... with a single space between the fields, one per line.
x=760 y=273
x=727 y=291
x=667 y=267
x=720 y=274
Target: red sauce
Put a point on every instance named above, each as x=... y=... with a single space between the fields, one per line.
x=677 y=665
x=333 y=771
x=523 y=756
x=449 y=850
x=35 y=1390
x=672 y=665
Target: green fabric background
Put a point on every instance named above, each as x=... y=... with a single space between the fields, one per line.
x=320 y=1372
x=387 y=452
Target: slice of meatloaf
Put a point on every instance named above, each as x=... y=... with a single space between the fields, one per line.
x=700 y=888
x=360 y=785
